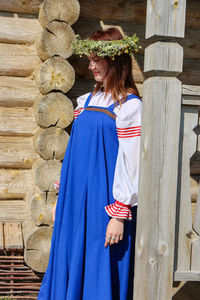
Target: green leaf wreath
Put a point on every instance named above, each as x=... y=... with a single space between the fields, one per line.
x=128 y=44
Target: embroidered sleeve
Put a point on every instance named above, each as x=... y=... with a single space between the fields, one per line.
x=57 y=185
x=81 y=102
x=125 y=184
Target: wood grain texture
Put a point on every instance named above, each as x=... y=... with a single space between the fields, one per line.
x=20 y=6
x=131 y=11
x=135 y=11
x=13 y=210
x=163 y=58
x=17 y=152
x=17 y=60
x=187 y=147
x=17 y=121
x=17 y=92
x=53 y=109
x=37 y=248
x=187 y=276
x=55 y=73
x=157 y=190
x=40 y=208
x=55 y=40
x=15 y=183
x=19 y=30
x=13 y=236
x=46 y=173
x=51 y=143
x=165 y=18
x=191 y=90
x=1 y=237
x=61 y=10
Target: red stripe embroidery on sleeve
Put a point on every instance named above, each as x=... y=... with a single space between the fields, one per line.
x=77 y=112
x=129 y=132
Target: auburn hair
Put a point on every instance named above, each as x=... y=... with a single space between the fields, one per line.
x=119 y=77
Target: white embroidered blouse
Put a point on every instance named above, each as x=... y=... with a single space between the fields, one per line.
x=128 y=123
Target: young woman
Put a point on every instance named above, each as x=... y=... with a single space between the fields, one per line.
x=92 y=246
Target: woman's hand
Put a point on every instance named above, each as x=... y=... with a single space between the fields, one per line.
x=115 y=231
x=53 y=211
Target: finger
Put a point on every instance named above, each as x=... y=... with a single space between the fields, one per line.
x=117 y=240
x=112 y=241
x=107 y=242
x=121 y=237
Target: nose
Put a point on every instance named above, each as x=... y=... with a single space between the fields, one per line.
x=91 y=65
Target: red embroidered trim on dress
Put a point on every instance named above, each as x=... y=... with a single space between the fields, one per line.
x=129 y=132
x=57 y=185
x=77 y=112
x=119 y=210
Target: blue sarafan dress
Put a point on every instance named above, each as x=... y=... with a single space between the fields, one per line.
x=80 y=267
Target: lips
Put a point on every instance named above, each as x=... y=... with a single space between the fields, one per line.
x=95 y=73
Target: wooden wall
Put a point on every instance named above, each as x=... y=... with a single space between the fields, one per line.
x=17 y=94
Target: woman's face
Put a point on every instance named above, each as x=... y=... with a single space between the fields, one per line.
x=99 y=67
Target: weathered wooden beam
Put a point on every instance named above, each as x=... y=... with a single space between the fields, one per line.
x=191 y=90
x=19 y=30
x=165 y=18
x=12 y=120
x=16 y=91
x=14 y=183
x=154 y=250
x=17 y=152
x=20 y=6
x=187 y=276
x=18 y=60
x=13 y=236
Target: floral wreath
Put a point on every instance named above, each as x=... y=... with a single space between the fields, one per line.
x=128 y=44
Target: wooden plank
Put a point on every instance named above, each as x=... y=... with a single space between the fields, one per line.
x=16 y=91
x=189 y=119
x=191 y=100
x=14 y=184
x=191 y=90
x=17 y=121
x=195 y=257
x=19 y=30
x=13 y=236
x=1 y=237
x=17 y=152
x=162 y=56
x=172 y=22
x=196 y=223
x=18 y=60
x=20 y=6
x=157 y=189
x=187 y=276
x=13 y=210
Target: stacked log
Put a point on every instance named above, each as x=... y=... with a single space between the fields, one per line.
x=53 y=112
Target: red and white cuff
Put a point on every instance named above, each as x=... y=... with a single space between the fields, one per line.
x=57 y=185
x=119 y=210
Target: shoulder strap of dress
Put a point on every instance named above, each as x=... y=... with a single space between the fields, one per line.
x=129 y=97
x=88 y=100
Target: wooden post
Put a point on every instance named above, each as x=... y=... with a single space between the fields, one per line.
x=154 y=252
